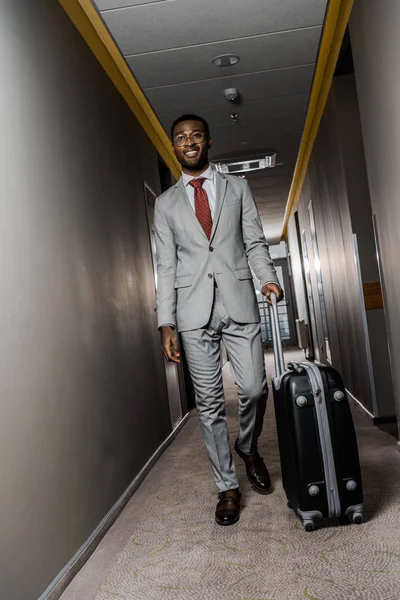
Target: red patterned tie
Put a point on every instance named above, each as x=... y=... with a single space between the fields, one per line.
x=201 y=205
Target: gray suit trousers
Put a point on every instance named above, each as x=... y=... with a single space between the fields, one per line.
x=244 y=347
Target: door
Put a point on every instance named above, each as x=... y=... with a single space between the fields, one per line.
x=320 y=285
x=309 y=290
x=302 y=246
x=173 y=372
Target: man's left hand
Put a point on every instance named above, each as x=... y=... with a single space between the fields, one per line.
x=271 y=288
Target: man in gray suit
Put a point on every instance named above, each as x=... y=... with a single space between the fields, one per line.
x=208 y=231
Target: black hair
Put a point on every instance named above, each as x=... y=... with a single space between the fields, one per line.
x=189 y=118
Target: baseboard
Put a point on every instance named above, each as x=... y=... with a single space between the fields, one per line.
x=359 y=405
x=64 y=578
x=385 y=420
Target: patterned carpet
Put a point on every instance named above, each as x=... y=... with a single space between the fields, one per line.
x=175 y=551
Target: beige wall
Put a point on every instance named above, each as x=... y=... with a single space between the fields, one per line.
x=374 y=30
x=83 y=398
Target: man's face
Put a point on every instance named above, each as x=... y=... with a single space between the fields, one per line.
x=191 y=144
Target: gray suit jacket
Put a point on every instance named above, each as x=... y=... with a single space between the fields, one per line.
x=187 y=261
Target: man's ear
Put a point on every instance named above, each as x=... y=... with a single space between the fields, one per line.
x=209 y=142
x=173 y=149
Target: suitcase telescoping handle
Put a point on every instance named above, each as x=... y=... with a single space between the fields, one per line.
x=276 y=337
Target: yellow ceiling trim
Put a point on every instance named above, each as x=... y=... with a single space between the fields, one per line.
x=90 y=25
x=337 y=17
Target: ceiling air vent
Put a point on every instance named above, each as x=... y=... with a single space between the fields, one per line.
x=267 y=162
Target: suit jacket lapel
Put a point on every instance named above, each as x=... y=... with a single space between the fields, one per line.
x=188 y=210
x=221 y=184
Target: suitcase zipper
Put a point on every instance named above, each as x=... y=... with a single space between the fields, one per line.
x=317 y=386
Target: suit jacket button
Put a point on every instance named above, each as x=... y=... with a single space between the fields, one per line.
x=210 y=275
x=211 y=249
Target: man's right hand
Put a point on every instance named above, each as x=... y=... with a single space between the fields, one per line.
x=169 y=344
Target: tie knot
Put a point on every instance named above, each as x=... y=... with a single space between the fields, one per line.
x=197 y=183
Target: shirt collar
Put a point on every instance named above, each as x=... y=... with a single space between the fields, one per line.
x=208 y=174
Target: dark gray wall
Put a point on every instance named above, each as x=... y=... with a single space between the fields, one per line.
x=336 y=183
x=82 y=387
x=352 y=148
x=374 y=30
x=347 y=119
x=332 y=215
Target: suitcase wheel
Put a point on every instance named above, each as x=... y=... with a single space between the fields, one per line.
x=309 y=525
x=355 y=514
x=356 y=518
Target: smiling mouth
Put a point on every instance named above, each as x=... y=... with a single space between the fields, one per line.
x=191 y=153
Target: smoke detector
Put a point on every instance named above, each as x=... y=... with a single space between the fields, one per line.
x=231 y=94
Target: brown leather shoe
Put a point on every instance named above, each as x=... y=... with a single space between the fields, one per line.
x=228 y=507
x=257 y=472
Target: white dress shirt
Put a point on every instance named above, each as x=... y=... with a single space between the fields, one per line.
x=209 y=186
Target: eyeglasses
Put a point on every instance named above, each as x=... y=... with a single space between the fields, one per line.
x=197 y=136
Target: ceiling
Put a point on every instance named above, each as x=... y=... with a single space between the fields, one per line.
x=169 y=46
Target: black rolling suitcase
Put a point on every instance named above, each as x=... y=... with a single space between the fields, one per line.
x=317 y=441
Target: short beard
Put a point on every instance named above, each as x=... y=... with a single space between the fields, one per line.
x=201 y=163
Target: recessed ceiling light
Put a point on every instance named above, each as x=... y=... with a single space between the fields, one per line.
x=226 y=60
